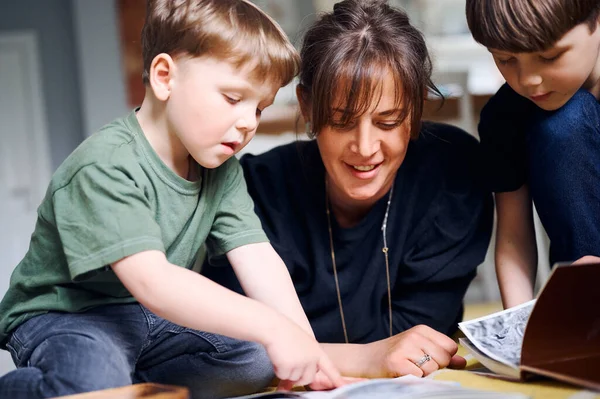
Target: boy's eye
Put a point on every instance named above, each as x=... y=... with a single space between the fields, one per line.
x=505 y=61
x=258 y=112
x=231 y=100
x=550 y=59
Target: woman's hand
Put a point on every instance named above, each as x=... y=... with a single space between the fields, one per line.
x=398 y=355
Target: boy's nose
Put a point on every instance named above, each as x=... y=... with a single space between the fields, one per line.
x=529 y=77
x=248 y=122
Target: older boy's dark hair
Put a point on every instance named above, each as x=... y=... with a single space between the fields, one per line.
x=347 y=53
x=527 y=25
x=233 y=30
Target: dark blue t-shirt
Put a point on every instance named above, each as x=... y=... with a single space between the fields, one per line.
x=438 y=232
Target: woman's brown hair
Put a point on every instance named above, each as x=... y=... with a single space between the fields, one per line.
x=521 y=26
x=347 y=53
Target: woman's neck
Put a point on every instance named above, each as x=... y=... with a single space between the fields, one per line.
x=347 y=211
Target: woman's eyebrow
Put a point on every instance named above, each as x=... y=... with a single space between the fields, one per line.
x=389 y=112
x=382 y=113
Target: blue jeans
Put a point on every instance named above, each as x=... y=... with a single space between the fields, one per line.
x=117 y=345
x=564 y=176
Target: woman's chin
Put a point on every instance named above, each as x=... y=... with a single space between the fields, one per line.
x=363 y=193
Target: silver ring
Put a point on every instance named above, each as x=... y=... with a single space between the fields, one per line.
x=423 y=360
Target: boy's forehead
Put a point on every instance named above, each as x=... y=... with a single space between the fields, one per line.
x=568 y=40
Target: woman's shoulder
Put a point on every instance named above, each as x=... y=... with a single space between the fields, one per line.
x=287 y=156
x=447 y=155
x=283 y=172
x=443 y=141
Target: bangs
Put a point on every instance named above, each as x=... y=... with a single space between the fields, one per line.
x=353 y=89
x=263 y=46
x=524 y=25
x=274 y=62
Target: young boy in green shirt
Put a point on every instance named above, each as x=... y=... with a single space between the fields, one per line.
x=105 y=296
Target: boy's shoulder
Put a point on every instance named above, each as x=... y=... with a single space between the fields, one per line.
x=507 y=106
x=113 y=145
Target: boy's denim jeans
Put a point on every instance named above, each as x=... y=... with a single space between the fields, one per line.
x=564 y=176
x=117 y=345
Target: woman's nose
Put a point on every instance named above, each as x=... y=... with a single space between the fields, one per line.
x=365 y=142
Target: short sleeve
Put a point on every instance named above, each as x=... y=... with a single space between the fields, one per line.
x=502 y=130
x=236 y=224
x=102 y=216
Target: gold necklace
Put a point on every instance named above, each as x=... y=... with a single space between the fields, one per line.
x=385 y=250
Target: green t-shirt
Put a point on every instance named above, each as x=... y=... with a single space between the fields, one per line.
x=111 y=198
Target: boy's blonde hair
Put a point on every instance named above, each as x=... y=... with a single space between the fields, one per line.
x=232 y=30
x=522 y=26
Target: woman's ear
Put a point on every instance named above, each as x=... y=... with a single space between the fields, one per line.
x=161 y=76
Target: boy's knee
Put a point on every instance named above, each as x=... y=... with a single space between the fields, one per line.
x=75 y=363
x=256 y=366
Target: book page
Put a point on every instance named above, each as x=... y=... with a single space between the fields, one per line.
x=500 y=335
x=395 y=388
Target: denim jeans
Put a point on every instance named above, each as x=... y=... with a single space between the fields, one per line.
x=117 y=345
x=564 y=176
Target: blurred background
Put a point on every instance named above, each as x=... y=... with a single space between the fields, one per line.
x=67 y=67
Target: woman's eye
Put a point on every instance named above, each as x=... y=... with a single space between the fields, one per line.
x=231 y=100
x=338 y=125
x=389 y=125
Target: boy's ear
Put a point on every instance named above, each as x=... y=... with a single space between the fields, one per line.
x=161 y=76
x=302 y=96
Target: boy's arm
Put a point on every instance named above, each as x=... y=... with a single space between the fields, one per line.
x=188 y=299
x=516 y=251
x=191 y=300
x=265 y=278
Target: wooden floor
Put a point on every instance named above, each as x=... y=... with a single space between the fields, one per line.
x=139 y=391
x=475 y=310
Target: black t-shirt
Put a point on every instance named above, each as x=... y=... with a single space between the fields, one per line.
x=502 y=130
x=438 y=232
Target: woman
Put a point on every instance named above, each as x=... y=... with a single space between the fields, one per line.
x=380 y=219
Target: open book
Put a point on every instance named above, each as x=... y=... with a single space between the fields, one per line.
x=396 y=388
x=556 y=336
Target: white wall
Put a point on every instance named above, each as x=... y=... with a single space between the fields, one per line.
x=103 y=95
x=51 y=22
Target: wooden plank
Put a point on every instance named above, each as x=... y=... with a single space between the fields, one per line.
x=137 y=391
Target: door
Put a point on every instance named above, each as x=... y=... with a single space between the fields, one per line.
x=24 y=152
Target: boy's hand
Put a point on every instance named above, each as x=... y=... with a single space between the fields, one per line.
x=297 y=358
x=322 y=383
x=587 y=259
